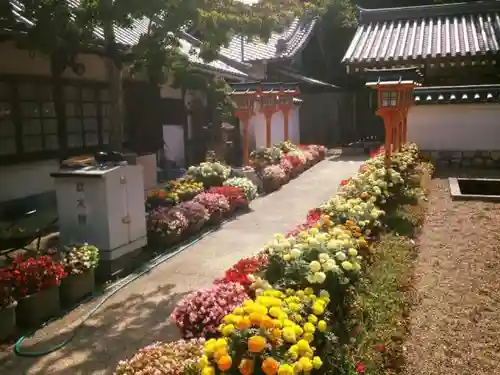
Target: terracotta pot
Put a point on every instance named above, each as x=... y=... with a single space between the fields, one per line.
x=33 y=310
x=7 y=321
x=75 y=287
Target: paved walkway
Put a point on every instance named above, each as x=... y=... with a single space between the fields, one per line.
x=138 y=315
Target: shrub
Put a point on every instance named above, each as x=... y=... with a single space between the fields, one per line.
x=33 y=275
x=200 y=313
x=245 y=184
x=167 y=221
x=214 y=203
x=77 y=259
x=173 y=358
x=234 y=196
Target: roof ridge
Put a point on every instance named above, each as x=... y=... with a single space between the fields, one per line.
x=425 y=11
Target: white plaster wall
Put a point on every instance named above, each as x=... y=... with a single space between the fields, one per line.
x=294 y=126
x=459 y=127
x=257 y=128
x=23 y=180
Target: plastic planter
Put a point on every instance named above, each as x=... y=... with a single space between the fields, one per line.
x=75 y=287
x=7 y=321
x=270 y=185
x=35 y=309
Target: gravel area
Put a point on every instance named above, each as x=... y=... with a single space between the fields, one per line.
x=138 y=314
x=455 y=327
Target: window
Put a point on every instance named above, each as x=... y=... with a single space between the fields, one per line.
x=87 y=112
x=30 y=126
x=389 y=98
x=38 y=118
x=8 y=144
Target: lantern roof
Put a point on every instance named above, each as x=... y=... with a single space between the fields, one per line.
x=393 y=77
x=291 y=88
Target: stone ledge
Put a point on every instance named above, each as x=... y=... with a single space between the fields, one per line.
x=464 y=159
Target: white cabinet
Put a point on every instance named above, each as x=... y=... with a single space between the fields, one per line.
x=103 y=206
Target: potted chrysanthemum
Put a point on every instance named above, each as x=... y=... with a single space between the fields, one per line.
x=80 y=262
x=7 y=304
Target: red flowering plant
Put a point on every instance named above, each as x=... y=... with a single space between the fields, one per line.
x=33 y=275
x=6 y=288
x=239 y=273
x=313 y=217
x=234 y=195
x=214 y=203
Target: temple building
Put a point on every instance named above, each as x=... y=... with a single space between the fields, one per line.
x=454 y=48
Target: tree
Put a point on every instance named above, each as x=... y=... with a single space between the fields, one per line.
x=61 y=30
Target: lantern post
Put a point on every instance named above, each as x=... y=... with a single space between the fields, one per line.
x=269 y=101
x=394 y=93
x=245 y=110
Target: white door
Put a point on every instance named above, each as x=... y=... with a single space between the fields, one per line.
x=173 y=136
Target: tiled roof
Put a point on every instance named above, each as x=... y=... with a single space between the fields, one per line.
x=266 y=87
x=131 y=36
x=280 y=46
x=411 y=34
x=304 y=79
x=216 y=65
x=457 y=94
x=396 y=76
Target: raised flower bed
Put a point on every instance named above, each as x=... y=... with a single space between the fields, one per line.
x=302 y=314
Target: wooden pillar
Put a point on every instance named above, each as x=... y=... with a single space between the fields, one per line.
x=286 y=108
x=244 y=117
x=268 y=114
x=405 y=128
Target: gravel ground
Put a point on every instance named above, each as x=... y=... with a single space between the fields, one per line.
x=455 y=328
x=138 y=314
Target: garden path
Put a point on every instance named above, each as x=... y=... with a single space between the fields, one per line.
x=138 y=314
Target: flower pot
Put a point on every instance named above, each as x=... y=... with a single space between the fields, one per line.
x=194 y=228
x=75 y=287
x=7 y=321
x=230 y=212
x=35 y=309
x=271 y=185
x=156 y=239
x=216 y=218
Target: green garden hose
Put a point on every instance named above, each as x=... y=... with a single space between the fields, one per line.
x=111 y=290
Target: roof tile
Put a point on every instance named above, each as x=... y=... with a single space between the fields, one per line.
x=295 y=37
x=414 y=33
